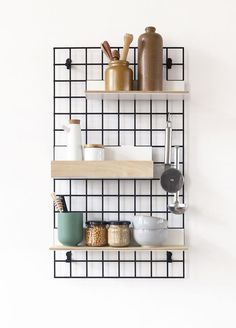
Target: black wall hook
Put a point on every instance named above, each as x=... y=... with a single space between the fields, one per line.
x=169 y=257
x=68 y=256
x=169 y=63
x=68 y=63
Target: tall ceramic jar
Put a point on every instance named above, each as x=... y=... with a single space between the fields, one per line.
x=150 y=70
x=74 y=144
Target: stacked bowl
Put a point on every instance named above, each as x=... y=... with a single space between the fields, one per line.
x=149 y=230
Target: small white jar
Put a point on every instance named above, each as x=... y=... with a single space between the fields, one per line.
x=93 y=152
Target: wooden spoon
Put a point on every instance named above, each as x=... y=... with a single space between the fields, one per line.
x=128 y=38
x=108 y=49
x=104 y=51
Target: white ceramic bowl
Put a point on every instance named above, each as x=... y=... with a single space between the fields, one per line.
x=149 y=222
x=150 y=237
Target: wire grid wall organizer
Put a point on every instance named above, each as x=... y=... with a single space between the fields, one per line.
x=115 y=123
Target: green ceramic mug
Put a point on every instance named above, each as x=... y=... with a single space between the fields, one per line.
x=70 y=228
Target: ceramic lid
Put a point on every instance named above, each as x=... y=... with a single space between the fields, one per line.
x=93 y=146
x=74 y=121
x=119 y=222
x=96 y=222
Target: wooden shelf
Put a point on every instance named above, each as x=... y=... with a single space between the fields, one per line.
x=136 y=95
x=102 y=169
x=108 y=248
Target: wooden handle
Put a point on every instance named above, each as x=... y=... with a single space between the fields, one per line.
x=108 y=49
x=104 y=51
x=57 y=202
x=128 y=38
x=54 y=197
x=115 y=55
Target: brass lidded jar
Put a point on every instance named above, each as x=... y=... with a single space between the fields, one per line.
x=118 y=76
x=96 y=233
x=150 y=62
x=119 y=233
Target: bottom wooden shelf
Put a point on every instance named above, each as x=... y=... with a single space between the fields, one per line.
x=108 y=248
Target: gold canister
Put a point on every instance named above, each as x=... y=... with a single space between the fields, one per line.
x=118 y=76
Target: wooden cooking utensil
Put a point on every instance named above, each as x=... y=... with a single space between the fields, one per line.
x=115 y=55
x=57 y=202
x=128 y=38
x=104 y=51
x=108 y=49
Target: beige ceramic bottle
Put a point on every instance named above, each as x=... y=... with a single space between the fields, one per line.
x=150 y=69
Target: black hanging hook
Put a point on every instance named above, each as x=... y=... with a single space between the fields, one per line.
x=68 y=63
x=169 y=63
x=68 y=256
x=169 y=257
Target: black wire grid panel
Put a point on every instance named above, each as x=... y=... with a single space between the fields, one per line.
x=115 y=123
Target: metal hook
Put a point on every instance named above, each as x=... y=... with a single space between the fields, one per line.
x=169 y=117
x=169 y=257
x=68 y=63
x=169 y=63
x=68 y=256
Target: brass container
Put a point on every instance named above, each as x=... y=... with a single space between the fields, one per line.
x=150 y=69
x=118 y=76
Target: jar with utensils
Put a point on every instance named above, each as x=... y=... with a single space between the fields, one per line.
x=118 y=75
x=119 y=233
x=93 y=152
x=96 y=233
x=74 y=145
x=150 y=68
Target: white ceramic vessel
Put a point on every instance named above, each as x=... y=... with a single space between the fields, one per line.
x=149 y=230
x=150 y=237
x=93 y=152
x=74 y=146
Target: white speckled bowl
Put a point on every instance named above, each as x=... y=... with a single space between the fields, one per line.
x=149 y=230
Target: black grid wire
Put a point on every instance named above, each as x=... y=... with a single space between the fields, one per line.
x=109 y=198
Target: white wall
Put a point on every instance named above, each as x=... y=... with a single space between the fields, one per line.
x=29 y=296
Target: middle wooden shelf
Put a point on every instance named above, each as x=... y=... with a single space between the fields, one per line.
x=102 y=169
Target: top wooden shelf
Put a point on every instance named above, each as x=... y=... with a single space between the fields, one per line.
x=136 y=95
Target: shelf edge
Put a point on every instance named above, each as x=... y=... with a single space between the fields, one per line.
x=108 y=248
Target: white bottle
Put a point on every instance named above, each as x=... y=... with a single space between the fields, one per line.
x=74 y=144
